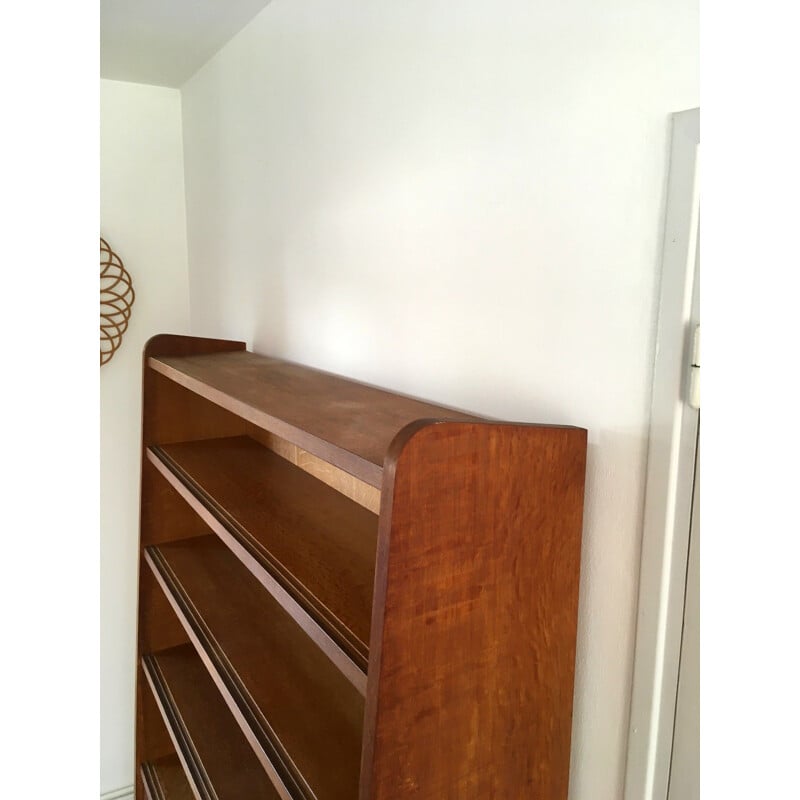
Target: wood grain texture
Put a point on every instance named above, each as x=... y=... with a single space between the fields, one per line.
x=215 y=756
x=299 y=713
x=165 y=517
x=474 y=623
x=345 y=423
x=156 y=741
x=159 y=628
x=174 y=344
x=176 y=415
x=351 y=487
x=167 y=411
x=468 y=694
x=318 y=545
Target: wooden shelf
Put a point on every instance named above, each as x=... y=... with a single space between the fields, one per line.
x=418 y=646
x=346 y=423
x=216 y=757
x=300 y=714
x=165 y=780
x=287 y=527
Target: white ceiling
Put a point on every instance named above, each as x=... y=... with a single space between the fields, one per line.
x=164 y=42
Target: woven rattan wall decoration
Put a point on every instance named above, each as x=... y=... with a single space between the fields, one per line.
x=116 y=300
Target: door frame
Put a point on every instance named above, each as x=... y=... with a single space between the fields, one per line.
x=669 y=482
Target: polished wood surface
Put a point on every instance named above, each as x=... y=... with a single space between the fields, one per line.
x=167 y=411
x=298 y=711
x=473 y=632
x=159 y=628
x=346 y=423
x=165 y=780
x=178 y=415
x=317 y=544
x=165 y=517
x=215 y=755
x=382 y=593
x=156 y=743
x=351 y=487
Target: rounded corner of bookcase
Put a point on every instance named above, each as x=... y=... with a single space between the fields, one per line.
x=154 y=344
x=403 y=438
x=409 y=436
x=178 y=344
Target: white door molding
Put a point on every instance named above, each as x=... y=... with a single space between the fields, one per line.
x=670 y=471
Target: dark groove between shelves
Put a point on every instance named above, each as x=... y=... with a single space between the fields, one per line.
x=250 y=718
x=177 y=730
x=152 y=785
x=354 y=464
x=346 y=651
x=165 y=779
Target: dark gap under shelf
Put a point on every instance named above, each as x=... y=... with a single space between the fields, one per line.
x=218 y=760
x=288 y=527
x=164 y=779
x=301 y=715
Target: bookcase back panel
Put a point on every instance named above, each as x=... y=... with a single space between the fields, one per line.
x=174 y=414
x=165 y=517
x=159 y=628
x=345 y=483
x=155 y=740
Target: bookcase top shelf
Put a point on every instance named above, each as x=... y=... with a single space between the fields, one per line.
x=304 y=636
x=346 y=423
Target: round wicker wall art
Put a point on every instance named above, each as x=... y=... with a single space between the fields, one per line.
x=116 y=300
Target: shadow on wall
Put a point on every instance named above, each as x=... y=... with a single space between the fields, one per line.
x=608 y=584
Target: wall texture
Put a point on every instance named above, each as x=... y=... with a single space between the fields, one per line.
x=462 y=202
x=142 y=216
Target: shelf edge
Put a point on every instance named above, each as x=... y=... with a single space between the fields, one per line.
x=353 y=464
x=152 y=787
x=285 y=775
x=342 y=660
x=190 y=761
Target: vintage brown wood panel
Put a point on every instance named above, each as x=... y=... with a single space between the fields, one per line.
x=473 y=631
x=346 y=593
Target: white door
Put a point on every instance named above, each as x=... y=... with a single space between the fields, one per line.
x=662 y=742
x=684 y=774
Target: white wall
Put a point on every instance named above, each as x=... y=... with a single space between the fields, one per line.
x=143 y=218
x=462 y=202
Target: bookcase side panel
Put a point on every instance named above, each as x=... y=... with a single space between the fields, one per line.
x=474 y=623
x=160 y=518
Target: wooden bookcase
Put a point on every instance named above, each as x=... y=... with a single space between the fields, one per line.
x=348 y=594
